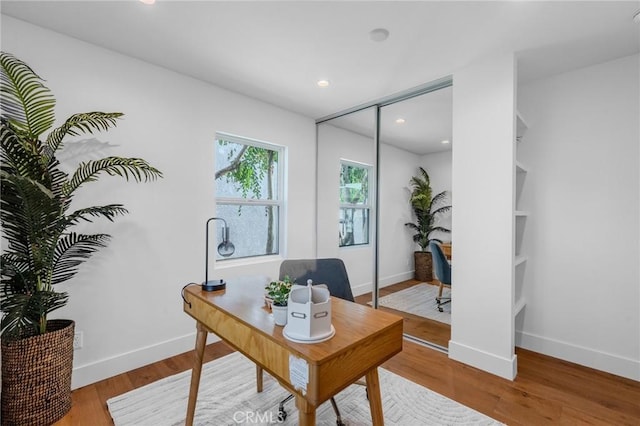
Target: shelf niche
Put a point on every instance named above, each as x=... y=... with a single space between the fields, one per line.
x=520 y=217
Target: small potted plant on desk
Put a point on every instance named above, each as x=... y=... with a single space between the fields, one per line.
x=278 y=294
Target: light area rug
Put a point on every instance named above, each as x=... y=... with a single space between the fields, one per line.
x=228 y=396
x=420 y=300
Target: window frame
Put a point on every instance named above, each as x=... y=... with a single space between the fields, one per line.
x=364 y=206
x=278 y=200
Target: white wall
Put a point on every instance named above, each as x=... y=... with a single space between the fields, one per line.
x=582 y=282
x=126 y=299
x=482 y=218
x=396 y=248
x=335 y=144
x=396 y=169
x=438 y=165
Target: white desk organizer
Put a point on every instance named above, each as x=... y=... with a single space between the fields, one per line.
x=309 y=316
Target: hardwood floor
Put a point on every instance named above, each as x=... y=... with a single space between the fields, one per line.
x=89 y=404
x=414 y=325
x=547 y=390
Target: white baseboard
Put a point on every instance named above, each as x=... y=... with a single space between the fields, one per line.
x=397 y=278
x=360 y=289
x=502 y=367
x=108 y=367
x=610 y=363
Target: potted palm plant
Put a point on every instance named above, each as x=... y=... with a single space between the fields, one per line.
x=41 y=248
x=427 y=209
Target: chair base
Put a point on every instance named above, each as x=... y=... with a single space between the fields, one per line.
x=282 y=413
x=442 y=301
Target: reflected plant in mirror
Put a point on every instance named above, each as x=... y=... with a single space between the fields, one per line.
x=427 y=209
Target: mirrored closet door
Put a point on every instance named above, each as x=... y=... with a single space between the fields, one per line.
x=366 y=159
x=415 y=135
x=346 y=176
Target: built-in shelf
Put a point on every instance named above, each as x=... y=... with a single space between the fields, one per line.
x=521 y=168
x=521 y=126
x=519 y=260
x=519 y=305
x=521 y=177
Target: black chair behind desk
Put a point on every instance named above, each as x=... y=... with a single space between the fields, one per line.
x=333 y=274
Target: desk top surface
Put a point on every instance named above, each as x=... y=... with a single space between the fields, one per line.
x=243 y=299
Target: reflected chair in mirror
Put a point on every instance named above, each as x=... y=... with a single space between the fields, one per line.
x=333 y=274
x=442 y=271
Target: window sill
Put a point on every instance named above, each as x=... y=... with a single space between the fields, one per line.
x=233 y=263
x=355 y=247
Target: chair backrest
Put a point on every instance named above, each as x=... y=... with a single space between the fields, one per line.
x=331 y=272
x=440 y=265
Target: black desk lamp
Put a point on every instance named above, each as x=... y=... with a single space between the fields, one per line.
x=225 y=248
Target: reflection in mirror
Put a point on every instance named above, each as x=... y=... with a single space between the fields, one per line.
x=412 y=135
x=350 y=155
x=346 y=195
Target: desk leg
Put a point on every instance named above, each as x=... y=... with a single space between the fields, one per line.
x=375 y=402
x=259 y=377
x=306 y=412
x=201 y=342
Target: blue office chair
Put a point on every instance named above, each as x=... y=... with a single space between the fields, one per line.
x=442 y=270
x=333 y=274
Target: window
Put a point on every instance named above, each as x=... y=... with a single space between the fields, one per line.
x=249 y=182
x=355 y=204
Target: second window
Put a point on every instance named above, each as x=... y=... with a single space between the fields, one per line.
x=355 y=206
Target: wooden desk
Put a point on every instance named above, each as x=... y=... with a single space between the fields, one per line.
x=446 y=249
x=364 y=339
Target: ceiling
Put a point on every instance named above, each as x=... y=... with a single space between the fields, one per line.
x=427 y=121
x=276 y=51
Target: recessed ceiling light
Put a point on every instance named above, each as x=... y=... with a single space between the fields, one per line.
x=148 y=1
x=322 y=83
x=379 y=34
x=445 y=141
x=400 y=121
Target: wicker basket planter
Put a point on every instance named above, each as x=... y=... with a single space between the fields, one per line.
x=423 y=266
x=36 y=376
